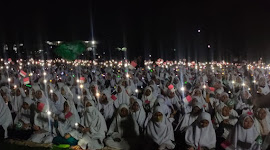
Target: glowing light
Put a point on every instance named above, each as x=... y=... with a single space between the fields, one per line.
x=9 y=79
x=127 y=75
x=77 y=80
x=254 y=81
x=81 y=86
x=15 y=86
x=51 y=91
x=97 y=94
x=45 y=81
x=49 y=112
x=233 y=82
x=243 y=84
x=182 y=88
x=136 y=90
x=79 y=97
x=204 y=86
x=76 y=124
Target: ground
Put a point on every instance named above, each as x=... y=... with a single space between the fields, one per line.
x=27 y=145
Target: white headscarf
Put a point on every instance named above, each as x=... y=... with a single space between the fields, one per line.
x=188 y=118
x=108 y=109
x=122 y=97
x=139 y=115
x=151 y=98
x=161 y=132
x=5 y=116
x=243 y=135
x=95 y=121
x=116 y=130
x=201 y=137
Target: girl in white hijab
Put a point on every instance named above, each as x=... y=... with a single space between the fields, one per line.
x=138 y=112
x=186 y=120
x=262 y=123
x=106 y=106
x=148 y=98
x=57 y=101
x=92 y=128
x=160 y=130
x=264 y=88
x=244 y=135
x=201 y=134
x=66 y=124
x=5 y=117
x=67 y=94
x=122 y=97
x=123 y=131
x=42 y=125
x=223 y=116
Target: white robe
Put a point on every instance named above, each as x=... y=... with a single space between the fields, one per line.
x=161 y=132
x=116 y=130
x=43 y=120
x=243 y=135
x=5 y=116
x=201 y=137
x=95 y=121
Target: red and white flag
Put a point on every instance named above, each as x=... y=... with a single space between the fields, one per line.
x=187 y=99
x=132 y=65
x=22 y=73
x=82 y=79
x=26 y=80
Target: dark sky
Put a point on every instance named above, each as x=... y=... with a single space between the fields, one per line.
x=232 y=28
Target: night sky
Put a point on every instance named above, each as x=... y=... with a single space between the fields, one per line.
x=167 y=29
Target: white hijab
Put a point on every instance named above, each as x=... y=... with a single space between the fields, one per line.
x=160 y=132
x=5 y=116
x=201 y=137
x=95 y=121
x=151 y=98
x=241 y=134
x=108 y=109
x=139 y=115
x=116 y=130
x=122 y=97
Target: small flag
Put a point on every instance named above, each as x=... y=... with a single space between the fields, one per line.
x=69 y=114
x=82 y=79
x=26 y=80
x=212 y=89
x=187 y=99
x=40 y=106
x=9 y=60
x=147 y=101
x=113 y=97
x=28 y=85
x=170 y=86
x=225 y=144
x=22 y=73
x=132 y=65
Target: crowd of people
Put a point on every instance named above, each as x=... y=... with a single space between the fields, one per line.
x=163 y=105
